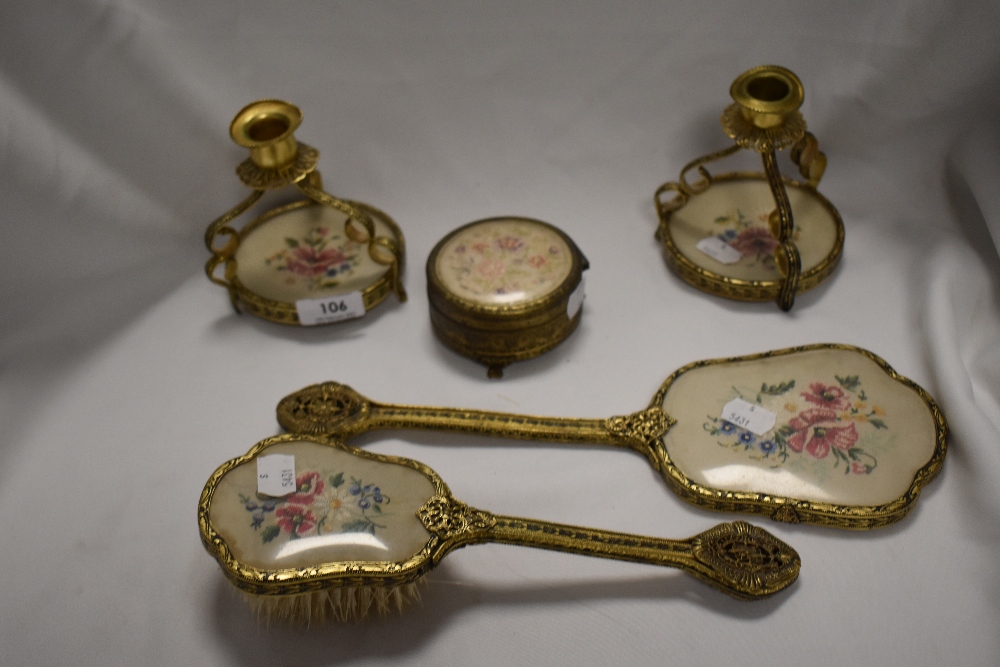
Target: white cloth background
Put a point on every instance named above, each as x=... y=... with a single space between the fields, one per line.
x=126 y=379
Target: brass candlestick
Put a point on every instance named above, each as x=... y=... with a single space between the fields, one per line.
x=755 y=257
x=293 y=264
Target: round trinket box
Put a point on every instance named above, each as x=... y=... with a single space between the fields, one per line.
x=754 y=236
x=318 y=260
x=505 y=289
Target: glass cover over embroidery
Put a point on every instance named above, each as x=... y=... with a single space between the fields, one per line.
x=736 y=212
x=344 y=507
x=499 y=262
x=304 y=254
x=845 y=431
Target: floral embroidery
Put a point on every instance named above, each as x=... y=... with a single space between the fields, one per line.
x=316 y=259
x=307 y=487
x=828 y=425
x=295 y=519
x=752 y=239
x=504 y=258
x=816 y=430
x=827 y=396
x=323 y=504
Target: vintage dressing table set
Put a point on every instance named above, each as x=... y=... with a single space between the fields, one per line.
x=310 y=528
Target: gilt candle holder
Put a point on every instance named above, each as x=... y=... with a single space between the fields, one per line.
x=754 y=236
x=318 y=260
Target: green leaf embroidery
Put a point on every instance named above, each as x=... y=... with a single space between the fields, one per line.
x=292 y=243
x=722 y=219
x=377 y=509
x=358 y=526
x=337 y=480
x=777 y=389
x=877 y=423
x=850 y=383
x=269 y=534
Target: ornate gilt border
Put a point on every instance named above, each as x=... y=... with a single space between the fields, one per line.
x=293 y=581
x=739 y=559
x=502 y=334
x=735 y=288
x=470 y=312
x=283 y=312
x=790 y=510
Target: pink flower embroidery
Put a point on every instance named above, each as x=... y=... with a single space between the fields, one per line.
x=305 y=261
x=755 y=241
x=491 y=269
x=510 y=243
x=307 y=486
x=295 y=519
x=858 y=468
x=537 y=261
x=816 y=431
x=480 y=247
x=827 y=396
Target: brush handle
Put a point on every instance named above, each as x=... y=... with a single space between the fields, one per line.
x=334 y=409
x=739 y=559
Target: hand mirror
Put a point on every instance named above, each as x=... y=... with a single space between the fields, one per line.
x=826 y=434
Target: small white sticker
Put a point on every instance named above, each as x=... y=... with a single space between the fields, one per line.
x=330 y=309
x=276 y=474
x=718 y=250
x=752 y=417
x=575 y=300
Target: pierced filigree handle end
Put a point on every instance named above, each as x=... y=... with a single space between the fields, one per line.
x=329 y=408
x=744 y=560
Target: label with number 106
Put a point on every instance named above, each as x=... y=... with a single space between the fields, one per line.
x=330 y=309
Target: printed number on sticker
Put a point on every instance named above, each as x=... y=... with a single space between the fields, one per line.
x=754 y=418
x=330 y=309
x=276 y=474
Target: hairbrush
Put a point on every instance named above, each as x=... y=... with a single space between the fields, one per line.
x=827 y=434
x=358 y=530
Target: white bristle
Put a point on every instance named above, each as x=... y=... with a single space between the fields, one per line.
x=333 y=604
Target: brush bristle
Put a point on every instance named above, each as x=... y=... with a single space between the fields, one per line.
x=347 y=603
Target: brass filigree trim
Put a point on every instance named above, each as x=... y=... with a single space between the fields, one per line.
x=644 y=428
x=497 y=348
x=644 y=432
x=295 y=581
x=450 y=519
x=790 y=510
x=742 y=567
x=736 y=288
x=749 y=556
x=323 y=409
x=260 y=178
x=277 y=159
x=499 y=334
x=740 y=129
x=283 y=312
